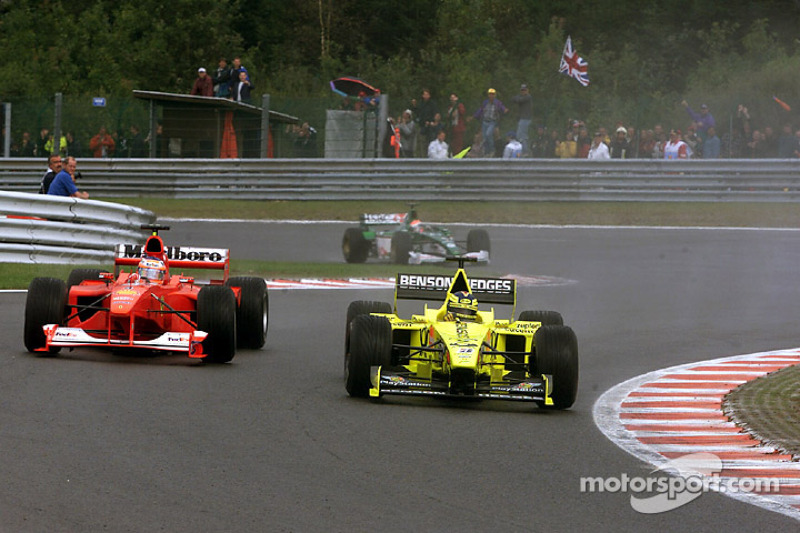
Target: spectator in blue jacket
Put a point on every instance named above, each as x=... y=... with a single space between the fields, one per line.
x=64 y=182
x=704 y=119
x=489 y=113
x=712 y=146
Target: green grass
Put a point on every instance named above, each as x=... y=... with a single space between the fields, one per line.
x=18 y=276
x=557 y=213
x=14 y=276
x=770 y=407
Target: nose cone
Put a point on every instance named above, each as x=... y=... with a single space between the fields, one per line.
x=463 y=341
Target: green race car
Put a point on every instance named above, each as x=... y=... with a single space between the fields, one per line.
x=458 y=350
x=402 y=238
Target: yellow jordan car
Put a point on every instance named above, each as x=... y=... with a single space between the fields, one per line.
x=458 y=350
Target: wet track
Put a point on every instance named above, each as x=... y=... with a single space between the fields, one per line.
x=271 y=442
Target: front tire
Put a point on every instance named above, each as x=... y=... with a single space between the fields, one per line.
x=557 y=355
x=216 y=315
x=252 y=314
x=355 y=247
x=547 y=318
x=358 y=308
x=370 y=345
x=79 y=275
x=45 y=304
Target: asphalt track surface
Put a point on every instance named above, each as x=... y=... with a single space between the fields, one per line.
x=271 y=442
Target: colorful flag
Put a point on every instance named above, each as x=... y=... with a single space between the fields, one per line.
x=228 y=148
x=782 y=103
x=573 y=65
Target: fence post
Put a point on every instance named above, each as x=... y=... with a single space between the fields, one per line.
x=7 y=129
x=57 y=127
x=153 y=130
x=264 y=126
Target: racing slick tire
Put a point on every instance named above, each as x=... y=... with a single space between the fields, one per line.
x=557 y=355
x=365 y=307
x=361 y=307
x=252 y=313
x=370 y=345
x=401 y=247
x=547 y=318
x=216 y=315
x=355 y=247
x=478 y=240
x=79 y=275
x=45 y=304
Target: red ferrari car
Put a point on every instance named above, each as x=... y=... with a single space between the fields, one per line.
x=151 y=306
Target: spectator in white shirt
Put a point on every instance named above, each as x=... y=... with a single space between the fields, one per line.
x=438 y=149
x=599 y=149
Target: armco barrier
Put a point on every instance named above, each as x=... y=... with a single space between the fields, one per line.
x=762 y=180
x=36 y=228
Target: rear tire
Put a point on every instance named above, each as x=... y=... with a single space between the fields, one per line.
x=82 y=274
x=547 y=318
x=355 y=247
x=371 y=345
x=365 y=307
x=557 y=355
x=478 y=240
x=45 y=304
x=252 y=314
x=401 y=247
x=216 y=315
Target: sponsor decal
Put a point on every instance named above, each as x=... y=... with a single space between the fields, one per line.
x=462 y=331
x=433 y=282
x=523 y=328
x=414 y=325
x=176 y=253
x=390 y=218
x=125 y=292
x=520 y=387
x=399 y=381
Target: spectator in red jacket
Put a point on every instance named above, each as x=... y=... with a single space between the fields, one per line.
x=102 y=145
x=203 y=85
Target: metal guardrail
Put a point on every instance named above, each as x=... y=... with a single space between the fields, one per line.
x=763 y=180
x=35 y=228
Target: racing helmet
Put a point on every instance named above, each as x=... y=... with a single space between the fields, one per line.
x=463 y=306
x=153 y=270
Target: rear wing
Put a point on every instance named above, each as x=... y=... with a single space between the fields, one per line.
x=436 y=287
x=378 y=219
x=178 y=257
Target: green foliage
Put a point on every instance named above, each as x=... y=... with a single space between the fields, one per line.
x=644 y=57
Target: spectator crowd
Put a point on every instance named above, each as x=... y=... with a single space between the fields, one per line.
x=425 y=129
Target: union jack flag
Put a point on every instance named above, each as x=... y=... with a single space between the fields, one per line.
x=573 y=65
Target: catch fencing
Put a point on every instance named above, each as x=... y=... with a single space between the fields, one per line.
x=526 y=180
x=37 y=228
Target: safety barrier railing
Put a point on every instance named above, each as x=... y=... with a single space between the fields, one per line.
x=36 y=228
x=764 y=180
